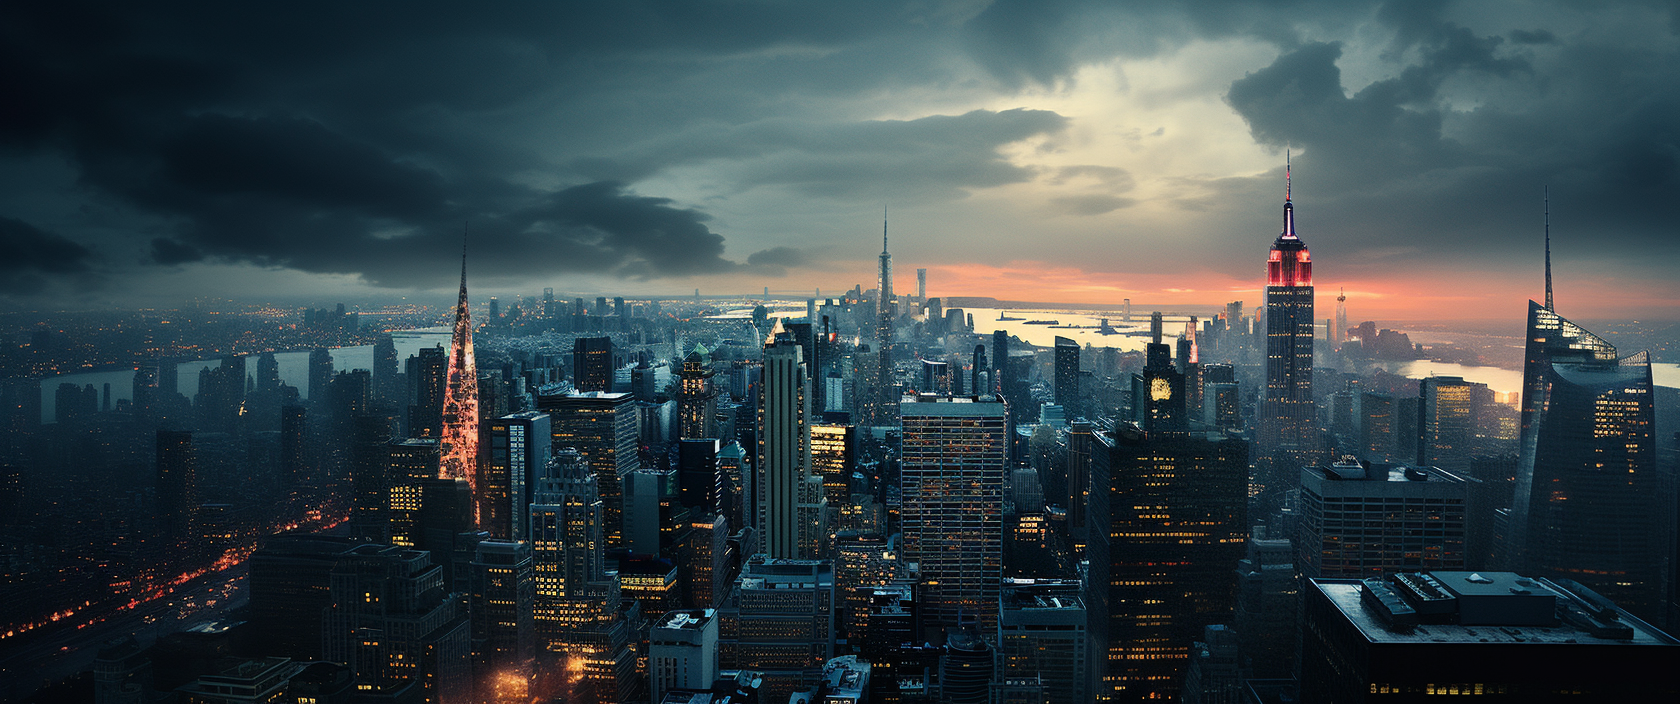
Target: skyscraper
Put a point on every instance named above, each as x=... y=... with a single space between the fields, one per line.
x=885 y=396
x=428 y=373
x=1447 y=424
x=568 y=549
x=592 y=363
x=952 y=473
x=177 y=484
x=696 y=399
x=1067 y=375
x=1588 y=496
x=1361 y=521
x=519 y=447
x=459 y=446
x=395 y=622
x=602 y=427
x=1166 y=532
x=1287 y=414
x=784 y=446
x=502 y=597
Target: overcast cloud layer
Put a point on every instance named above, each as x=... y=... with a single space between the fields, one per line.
x=657 y=147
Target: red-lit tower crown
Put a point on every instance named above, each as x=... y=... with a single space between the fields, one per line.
x=1289 y=264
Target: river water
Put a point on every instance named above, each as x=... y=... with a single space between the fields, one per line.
x=294 y=368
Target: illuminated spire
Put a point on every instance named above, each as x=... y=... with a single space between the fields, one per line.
x=1288 y=206
x=459 y=445
x=1546 y=196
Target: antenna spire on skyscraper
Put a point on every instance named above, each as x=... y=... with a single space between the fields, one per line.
x=1546 y=197
x=1286 y=160
x=883 y=229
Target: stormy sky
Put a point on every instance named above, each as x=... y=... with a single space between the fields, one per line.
x=1051 y=150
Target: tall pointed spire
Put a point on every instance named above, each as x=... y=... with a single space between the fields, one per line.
x=1288 y=205
x=1546 y=196
x=883 y=230
x=458 y=447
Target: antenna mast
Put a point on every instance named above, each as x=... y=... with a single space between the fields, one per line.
x=1546 y=195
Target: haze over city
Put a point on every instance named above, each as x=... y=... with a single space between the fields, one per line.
x=767 y=352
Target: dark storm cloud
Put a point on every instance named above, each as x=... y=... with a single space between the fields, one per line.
x=355 y=138
x=31 y=253
x=1396 y=162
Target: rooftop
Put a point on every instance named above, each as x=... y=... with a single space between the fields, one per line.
x=1487 y=607
x=687 y=619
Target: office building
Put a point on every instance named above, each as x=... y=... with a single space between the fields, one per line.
x=1159 y=401
x=1041 y=635
x=1067 y=375
x=592 y=364
x=1376 y=427
x=568 y=546
x=1361 y=520
x=696 y=396
x=1288 y=427
x=290 y=588
x=1267 y=605
x=602 y=427
x=1087 y=448
x=1497 y=636
x=1448 y=422
x=1173 y=506
x=393 y=622
x=785 y=622
x=519 y=449
x=833 y=459
x=683 y=651
x=784 y=447
x=410 y=463
x=952 y=475
x=697 y=473
x=177 y=486
x=428 y=376
x=503 y=602
x=1588 y=498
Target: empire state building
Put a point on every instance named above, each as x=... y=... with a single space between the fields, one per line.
x=1287 y=415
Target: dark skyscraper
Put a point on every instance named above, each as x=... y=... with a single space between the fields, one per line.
x=1000 y=359
x=1067 y=375
x=385 y=380
x=592 y=364
x=177 y=484
x=518 y=452
x=1164 y=543
x=320 y=373
x=428 y=373
x=1287 y=415
x=784 y=447
x=1588 y=497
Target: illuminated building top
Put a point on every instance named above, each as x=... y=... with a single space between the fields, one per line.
x=1289 y=264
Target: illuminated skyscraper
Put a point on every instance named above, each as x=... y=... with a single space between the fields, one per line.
x=952 y=474
x=1287 y=414
x=696 y=399
x=459 y=446
x=1588 y=499
x=602 y=427
x=1447 y=425
x=1167 y=526
x=592 y=363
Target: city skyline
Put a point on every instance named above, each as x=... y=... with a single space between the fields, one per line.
x=1095 y=154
